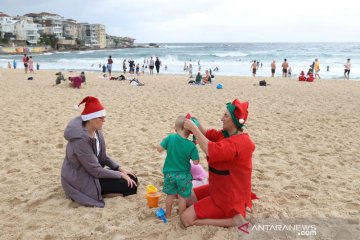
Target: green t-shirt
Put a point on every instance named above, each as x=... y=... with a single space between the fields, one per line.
x=179 y=152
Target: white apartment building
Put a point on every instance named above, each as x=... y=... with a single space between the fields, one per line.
x=70 y=29
x=94 y=35
x=49 y=23
x=26 y=29
x=7 y=26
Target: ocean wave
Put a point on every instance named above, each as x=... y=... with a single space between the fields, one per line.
x=63 y=52
x=230 y=54
x=182 y=46
x=86 y=52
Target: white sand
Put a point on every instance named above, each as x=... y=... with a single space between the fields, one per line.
x=306 y=163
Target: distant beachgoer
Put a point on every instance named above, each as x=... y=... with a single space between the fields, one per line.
x=198 y=79
x=317 y=68
x=190 y=71
x=151 y=65
x=327 y=68
x=347 y=66
x=143 y=69
x=137 y=69
x=104 y=68
x=206 y=78
x=165 y=67
x=312 y=66
x=124 y=66
x=59 y=78
x=14 y=64
x=253 y=68
x=37 y=66
x=310 y=77
x=25 y=60
x=31 y=64
x=9 y=65
x=273 y=68
x=83 y=78
x=75 y=82
x=310 y=71
x=136 y=82
x=285 y=66
x=157 y=65
x=261 y=64
x=109 y=65
x=289 y=71
x=302 y=76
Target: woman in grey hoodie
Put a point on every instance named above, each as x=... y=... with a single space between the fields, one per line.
x=83 y=174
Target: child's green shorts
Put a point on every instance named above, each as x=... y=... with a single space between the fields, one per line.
x=178 y=183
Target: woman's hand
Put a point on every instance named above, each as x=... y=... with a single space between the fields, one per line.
x=126 y=171
x=189 y=125
x=131 y=183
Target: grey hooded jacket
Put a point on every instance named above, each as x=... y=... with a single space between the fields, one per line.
x=82 y=169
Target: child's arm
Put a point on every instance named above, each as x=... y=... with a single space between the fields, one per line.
x=196 y=162
x=159 y=148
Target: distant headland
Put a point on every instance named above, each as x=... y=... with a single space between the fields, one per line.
x=46 y=32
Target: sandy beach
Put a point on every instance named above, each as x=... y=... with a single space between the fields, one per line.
x=305 y=167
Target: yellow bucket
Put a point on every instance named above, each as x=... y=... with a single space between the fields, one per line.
x=151 y=189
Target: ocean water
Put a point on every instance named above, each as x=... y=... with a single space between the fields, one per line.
x=232 y=59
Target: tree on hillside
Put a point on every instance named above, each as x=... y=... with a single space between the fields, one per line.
x=51 y=40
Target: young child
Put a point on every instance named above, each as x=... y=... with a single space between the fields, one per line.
x=177 y=176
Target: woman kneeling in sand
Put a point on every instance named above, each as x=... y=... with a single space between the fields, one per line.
x=83 y=176
x=224 y=200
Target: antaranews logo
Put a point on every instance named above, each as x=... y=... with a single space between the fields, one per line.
x=244 y=227
x=298 y=229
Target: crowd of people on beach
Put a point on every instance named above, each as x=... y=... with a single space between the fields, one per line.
x=131 y=67
x=312 y=73
x=151 y=63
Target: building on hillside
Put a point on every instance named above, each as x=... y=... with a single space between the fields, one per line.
x=70 y=29
x=7 y=27
x=26 y=30
x=93 y=35
x=48 y=23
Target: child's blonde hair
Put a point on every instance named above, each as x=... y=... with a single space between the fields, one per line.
x=179 y=123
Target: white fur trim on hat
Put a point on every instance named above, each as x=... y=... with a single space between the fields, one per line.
x=93 y=115
x=241 y=121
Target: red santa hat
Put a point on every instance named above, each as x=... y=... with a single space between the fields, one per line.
x=93 y=108
x=239 y=112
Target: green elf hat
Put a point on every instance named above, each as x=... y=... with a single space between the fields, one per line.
x=238 y=112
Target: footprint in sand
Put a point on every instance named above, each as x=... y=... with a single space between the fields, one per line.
x=351 y=205
x=13 y=170
x=289 y=187
x=60 y=145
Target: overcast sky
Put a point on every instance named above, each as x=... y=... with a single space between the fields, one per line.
x=161 y=21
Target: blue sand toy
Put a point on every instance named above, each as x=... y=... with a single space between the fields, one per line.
x=160 y=213
x=219 y=86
